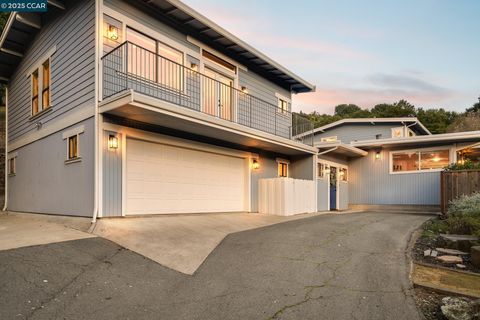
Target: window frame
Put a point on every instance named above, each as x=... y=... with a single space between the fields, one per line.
x=288 y=104
x=322 y=170
x=283 y=163
x=38 y=68
x=344 y=177
x=419 y=151
x=77 y=146
x=402 y=129
x=12 y=163
x=67 y=135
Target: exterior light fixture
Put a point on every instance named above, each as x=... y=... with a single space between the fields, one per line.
x=377 y=155
x=327 y=170
x=112 y=142
x=244 y=89
x=255 y=164
x=194 y=66
x=112 y=33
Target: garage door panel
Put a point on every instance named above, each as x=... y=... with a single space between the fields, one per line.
x=169 y=179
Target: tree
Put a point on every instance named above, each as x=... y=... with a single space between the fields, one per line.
x=469 y=121
x=401 y=108
x=475 y=107
x=345 y=110
x=436 y=120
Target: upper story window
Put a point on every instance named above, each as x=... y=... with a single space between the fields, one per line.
x=170 y=66
x=282 y=106
x=40 y=82
x=398 y=132
x=141 y=55
x=219 y=61
x=419 y=160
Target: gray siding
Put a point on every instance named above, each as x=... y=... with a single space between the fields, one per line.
x=72 y=68
x=303 y=167
x=268 y=169
x=322 y=194
x=112 y=177
x=370 y=182
x=349 y=133
x=343 y=199
x=44 y=183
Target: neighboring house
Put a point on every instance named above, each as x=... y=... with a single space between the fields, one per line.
x=385 y=161
x=143 y=107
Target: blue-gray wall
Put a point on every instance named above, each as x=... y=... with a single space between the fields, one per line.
x=370 y=182
x=44 y=183
x=353 y=132
x=322 y=194
x=72 y=68
x=112 y=177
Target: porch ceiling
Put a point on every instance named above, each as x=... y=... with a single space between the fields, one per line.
x=192 y=124
x=338 y=148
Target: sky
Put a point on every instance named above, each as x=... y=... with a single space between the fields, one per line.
x=364 y=52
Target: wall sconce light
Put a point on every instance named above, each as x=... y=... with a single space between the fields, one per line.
x=255 y=164
x=112 y=33
x=194 y=66
x=112 y=142
x=244 y=89
x=378 y=155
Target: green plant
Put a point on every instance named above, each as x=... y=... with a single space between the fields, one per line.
x=465 y=165
x=432 y=228
x=466 y=205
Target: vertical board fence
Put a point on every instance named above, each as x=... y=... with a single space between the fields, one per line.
x=455 y=184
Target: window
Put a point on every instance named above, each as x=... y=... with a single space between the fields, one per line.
x=320 y=170
x=46 y=84
x=343 y=174
x=282 y=169
x=73 y=147
x=329 y=139
x=40 y=79
x=419 y=160
x=12 y=166
x=282 y=105
x=170 y=67
x=378 y=136
x=219 y=61
x=35 y=84
x=398 y=132
x=141 y=55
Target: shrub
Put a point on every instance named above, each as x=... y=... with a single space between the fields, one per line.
x=466 y=205
x=466 y=165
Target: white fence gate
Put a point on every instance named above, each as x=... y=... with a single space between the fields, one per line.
x=286 y=196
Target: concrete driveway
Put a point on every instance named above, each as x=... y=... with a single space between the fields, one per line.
x=182 y=242
x=350 y=266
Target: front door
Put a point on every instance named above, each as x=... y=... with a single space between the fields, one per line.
x=218 y=95
x=333 y=188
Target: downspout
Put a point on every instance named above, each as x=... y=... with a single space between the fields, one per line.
x=410 y=125
x=5 y=200
x=96 y=137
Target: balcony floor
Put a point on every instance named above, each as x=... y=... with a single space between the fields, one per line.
x=138 y=107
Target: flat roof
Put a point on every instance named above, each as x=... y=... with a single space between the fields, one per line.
x=434 y=139
x=402 y=120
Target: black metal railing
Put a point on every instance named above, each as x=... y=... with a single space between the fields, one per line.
x=129 y=66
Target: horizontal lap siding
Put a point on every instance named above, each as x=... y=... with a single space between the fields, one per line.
x=349 y=133
x=72 y=67
x=371 y=183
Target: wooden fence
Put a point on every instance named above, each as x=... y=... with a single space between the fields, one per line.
x=455 y=184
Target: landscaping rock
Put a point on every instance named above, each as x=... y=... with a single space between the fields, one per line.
x=427 y=253
x=475 y=252
x=450 y=259
x=456 y=309
x=452 y=252
x=434 y=253
x=460 y=266
x=457 y=241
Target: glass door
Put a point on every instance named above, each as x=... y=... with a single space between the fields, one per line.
x=218 y=95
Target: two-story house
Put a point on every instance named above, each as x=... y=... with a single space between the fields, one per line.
x=378 y=162
x=127 y=107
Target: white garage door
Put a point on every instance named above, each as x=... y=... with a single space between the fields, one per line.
x=169 y=179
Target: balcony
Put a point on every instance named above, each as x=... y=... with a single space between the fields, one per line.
x=132 y=68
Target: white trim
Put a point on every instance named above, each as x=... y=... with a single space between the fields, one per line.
x=73 y=131
x=402 y=129
x=58 y=125
x=329 y=139
x=442 y=137
x=78 y=157
x=12 y=155
x=136 y=134
x=419 y=151
x=281 y=96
